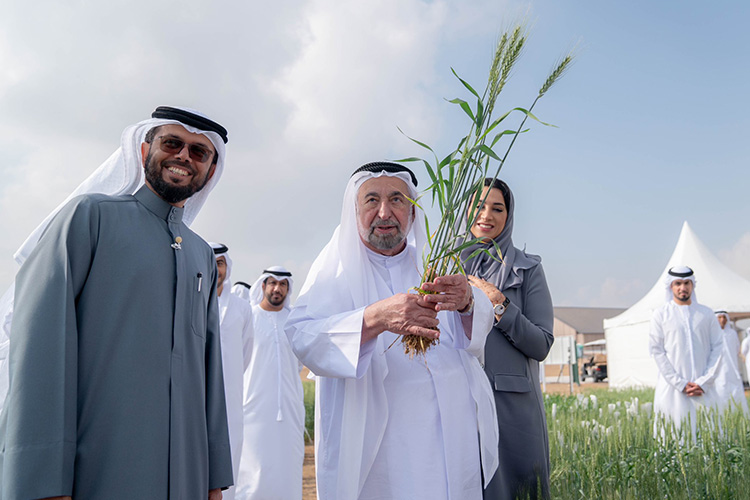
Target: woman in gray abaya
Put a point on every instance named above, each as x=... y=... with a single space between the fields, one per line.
x=521 y=338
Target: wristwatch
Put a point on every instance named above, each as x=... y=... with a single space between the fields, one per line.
x=499 y=309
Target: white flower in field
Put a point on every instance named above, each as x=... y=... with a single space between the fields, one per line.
x=601 y=412
x=584 y=404
x=617 y=414
x=632 y=410
x=611 y=407
x=594 y=401
x=554 y=410
x=597 y=429
x=561 y=438
x=618 y=403
x=609 y=430
x=647 y=408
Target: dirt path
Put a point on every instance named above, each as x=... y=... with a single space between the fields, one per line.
x=308 y=474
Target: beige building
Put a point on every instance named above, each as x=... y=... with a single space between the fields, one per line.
x=586 y=324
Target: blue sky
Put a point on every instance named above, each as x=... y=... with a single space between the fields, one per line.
x=651 y=118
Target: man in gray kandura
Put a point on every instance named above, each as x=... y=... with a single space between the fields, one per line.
x=116 y=388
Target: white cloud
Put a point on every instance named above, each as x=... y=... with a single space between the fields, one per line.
x=307 y=89
x=737 y=257
x=612 y=292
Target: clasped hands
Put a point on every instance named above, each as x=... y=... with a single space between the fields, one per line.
x=413 y=314
x=692 y=389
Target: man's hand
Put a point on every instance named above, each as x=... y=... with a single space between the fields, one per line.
x=215 y=494
x=692 y=389
x=404 y=314
x=450 y=293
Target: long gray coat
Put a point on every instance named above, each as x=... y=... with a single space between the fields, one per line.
x=116 y=387
x=517 y=343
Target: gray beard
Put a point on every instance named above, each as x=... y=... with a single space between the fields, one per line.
x=387 y=242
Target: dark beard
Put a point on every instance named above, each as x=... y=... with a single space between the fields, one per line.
x=166 y=191
x=272 y=301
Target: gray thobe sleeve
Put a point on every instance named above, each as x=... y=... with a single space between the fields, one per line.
x=530 y=330
x=219 y=455
x=39 y=424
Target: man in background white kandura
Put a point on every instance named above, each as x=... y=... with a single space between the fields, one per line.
x=686 y=343
x=729 y=389
x=273 y=447
x=236 y=338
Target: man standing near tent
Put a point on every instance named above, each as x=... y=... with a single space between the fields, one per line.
x=116 y=387
x=387 y=426
x=236 y=335
x=729 y=389
x=274 y=445
x=686 y=343
x=745 y=351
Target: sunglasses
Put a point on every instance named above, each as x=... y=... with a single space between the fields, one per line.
x=173 y=145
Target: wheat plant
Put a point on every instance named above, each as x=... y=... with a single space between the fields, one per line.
x=457 y=179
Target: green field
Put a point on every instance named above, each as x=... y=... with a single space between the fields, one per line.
x=602 y=446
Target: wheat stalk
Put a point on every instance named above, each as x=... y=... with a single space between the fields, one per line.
x=457 y=180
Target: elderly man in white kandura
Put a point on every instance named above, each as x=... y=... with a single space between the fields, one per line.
x=387 y=426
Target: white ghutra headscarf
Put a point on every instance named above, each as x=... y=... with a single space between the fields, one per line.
x=344 y=257
x=678 y=273
x=278 y=273
x=221 y=250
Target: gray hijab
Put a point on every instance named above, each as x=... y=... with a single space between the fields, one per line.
x=506 y=272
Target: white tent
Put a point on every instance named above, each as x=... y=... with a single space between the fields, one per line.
x=718 y=287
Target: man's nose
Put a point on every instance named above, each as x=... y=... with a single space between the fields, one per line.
x=184 y=153
x=384 y=211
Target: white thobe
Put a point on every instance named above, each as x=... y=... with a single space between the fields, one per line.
x=273 y=447
x=686 y=343
x=389 y=427
x=745 y=350
x=236 y=332
x=728 y=380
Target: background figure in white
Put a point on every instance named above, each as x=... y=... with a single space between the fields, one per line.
x=685 y=341
x=728 y=381
x=745 y=351
x=273 y=447
x=236 y=332
x=242 y=290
